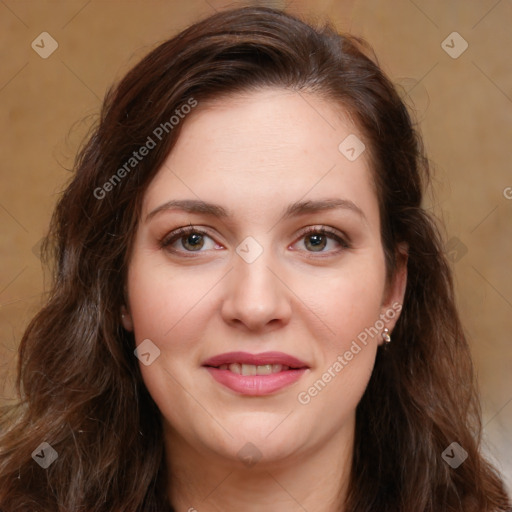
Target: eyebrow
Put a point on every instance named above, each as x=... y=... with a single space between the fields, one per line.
x=294 y=209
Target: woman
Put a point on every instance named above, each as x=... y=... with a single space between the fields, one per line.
x=251 y=309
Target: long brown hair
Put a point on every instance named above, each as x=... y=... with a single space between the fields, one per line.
x=79 y=384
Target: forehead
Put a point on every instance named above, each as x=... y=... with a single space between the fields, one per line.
x=257 y=150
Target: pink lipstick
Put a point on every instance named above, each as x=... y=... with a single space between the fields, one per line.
x=255 y=374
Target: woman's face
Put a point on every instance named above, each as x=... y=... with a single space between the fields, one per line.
x=262 y=336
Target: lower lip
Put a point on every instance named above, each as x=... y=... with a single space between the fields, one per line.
x=256 y=385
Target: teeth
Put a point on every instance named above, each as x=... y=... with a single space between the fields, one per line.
x=235 y=368
x=265 y=369
x=252 y=369
x=249 y=369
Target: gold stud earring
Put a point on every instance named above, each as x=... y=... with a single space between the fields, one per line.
x=386 y=336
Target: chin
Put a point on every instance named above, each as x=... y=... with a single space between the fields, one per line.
x=262 y=436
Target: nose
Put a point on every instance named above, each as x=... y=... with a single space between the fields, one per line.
x=256 y=296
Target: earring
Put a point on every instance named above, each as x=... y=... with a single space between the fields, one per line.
x=386 y=336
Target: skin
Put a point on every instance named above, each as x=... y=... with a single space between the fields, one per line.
x=254 y=154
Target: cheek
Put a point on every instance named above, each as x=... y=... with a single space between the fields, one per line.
x=347 y=300
x=349 y=304
x=346 y=356
x=355 y=305
x=166 y=308
x=161 y=297
x=171 y=309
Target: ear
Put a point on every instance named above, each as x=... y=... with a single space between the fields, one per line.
x=126 y=319
x=395 y=291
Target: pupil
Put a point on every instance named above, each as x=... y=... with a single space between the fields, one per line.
x=193 y=239
x=317 y=241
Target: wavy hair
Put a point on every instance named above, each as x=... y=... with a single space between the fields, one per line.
x=79 y=386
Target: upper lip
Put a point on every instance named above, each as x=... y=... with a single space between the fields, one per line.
x=263 y=358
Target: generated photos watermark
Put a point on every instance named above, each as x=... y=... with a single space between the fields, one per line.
x=45 y=455
x=151 y=143
x=454 y=455
x=147 y=352
x=342 y=360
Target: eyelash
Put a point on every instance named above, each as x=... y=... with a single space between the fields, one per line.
x=180 y=233
x=322 y=230
x=330 y=233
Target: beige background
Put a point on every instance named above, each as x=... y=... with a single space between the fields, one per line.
x=464 y=105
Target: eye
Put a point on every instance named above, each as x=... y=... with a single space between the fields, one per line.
x=317 y=238
x=191 y=239
x=188 y=239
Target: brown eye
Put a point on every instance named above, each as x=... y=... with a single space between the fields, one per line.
x=316 y=239
x=192 y=242
x=318 y=242
x=188 y=239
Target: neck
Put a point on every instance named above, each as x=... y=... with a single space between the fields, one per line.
x=203 y=481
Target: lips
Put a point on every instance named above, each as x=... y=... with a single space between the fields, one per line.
x=265 y=358
x=255 y=374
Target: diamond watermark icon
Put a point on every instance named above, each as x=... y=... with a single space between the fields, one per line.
x=454 y=455
x=454 y=45
x=249 y=249
x=351 y=147
x=455 y=249
x=249 y=454
x=37 y=249
x=147 y=352
x=45 y=455
x=44 y=45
